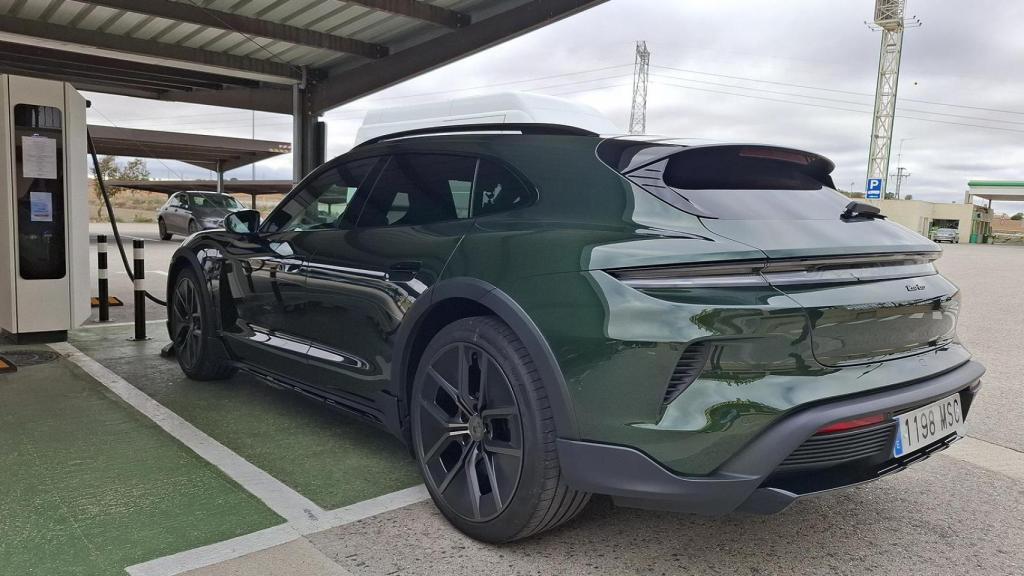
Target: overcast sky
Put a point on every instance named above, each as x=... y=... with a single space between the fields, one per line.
x=797 y=73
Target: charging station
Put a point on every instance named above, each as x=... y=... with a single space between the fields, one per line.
x=44 y=219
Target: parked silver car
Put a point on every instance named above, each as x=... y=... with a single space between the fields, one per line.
x=951 y=235
x=189 y=212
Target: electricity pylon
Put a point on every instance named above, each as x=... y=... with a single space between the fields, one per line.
x=889 y=19
x=638 y=116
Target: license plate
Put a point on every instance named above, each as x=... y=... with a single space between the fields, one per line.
x=929 y=424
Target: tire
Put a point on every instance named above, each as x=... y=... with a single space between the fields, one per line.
x=164 y=234
x=192 y=227
x=199 y=355
x=491 y=467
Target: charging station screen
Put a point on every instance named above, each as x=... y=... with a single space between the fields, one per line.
x=39 y=185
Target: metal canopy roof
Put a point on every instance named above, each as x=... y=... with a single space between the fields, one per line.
x=212 y=152
x=996 y=190
x=251 y=187
x=248 y=53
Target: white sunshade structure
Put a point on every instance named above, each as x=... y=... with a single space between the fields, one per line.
x=995 y=191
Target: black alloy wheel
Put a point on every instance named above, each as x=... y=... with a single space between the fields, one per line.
x=470 y=430
x=192 y=227
x=187 y=322
x=483 y=433
x=192 y=333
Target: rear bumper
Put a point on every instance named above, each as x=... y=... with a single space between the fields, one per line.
x=746 y=480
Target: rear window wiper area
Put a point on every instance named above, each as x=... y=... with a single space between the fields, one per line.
x=861 y=211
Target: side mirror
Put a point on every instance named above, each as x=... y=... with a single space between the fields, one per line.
x=242 y=222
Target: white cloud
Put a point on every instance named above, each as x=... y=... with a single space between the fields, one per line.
x=963 y=54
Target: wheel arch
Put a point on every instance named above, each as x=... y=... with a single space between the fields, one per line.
x=458 y=298
x=183 y=259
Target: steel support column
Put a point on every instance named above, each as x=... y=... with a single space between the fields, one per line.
x=307 y=145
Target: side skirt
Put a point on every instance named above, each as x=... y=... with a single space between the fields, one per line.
x=376 y=415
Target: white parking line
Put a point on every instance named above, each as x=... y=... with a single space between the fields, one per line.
x=302 y=516
x=215 y=553
x=366 y=509
x=286 y=502
x=250 y=543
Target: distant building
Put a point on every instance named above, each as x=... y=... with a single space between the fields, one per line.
x=973 y=222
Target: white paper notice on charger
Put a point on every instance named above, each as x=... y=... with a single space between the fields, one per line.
x=41 y=206
x=38 y=157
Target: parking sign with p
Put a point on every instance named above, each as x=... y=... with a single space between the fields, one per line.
x=874 y=188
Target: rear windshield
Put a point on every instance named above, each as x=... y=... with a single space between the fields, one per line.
x=737 y=183
x=731 y=182
x=746 y=168
x=215 y=201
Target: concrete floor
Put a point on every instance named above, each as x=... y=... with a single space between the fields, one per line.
x=991 y=325
x=961 y=511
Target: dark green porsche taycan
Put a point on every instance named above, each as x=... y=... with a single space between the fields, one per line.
x=543 y=314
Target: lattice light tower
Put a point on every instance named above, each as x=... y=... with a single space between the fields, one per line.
x=889 y=19
x=638 y=116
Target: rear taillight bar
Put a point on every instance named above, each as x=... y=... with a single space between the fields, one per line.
x=746 y=273
x=788 y=272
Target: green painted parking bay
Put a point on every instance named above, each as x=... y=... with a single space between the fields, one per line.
x=326 y=456
x=90 y=486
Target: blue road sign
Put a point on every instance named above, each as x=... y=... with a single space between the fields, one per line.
x=875 y=186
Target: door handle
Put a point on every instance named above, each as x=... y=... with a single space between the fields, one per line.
x=272 y=265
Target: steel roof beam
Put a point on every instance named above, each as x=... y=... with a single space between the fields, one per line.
x=264 y=99
x=86 y=81
x=128 y=48
x=95 y=67
x=418 y=10
x=351 y=84
x=35 y=69
x=246 y=25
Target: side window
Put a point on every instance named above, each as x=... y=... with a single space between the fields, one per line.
x=333 y=200
x=172 y=202
x=498 y=190
x=418 y=189
x=183 y=201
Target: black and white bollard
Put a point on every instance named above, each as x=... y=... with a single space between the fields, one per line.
x=138 y=254
x=104 y=294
